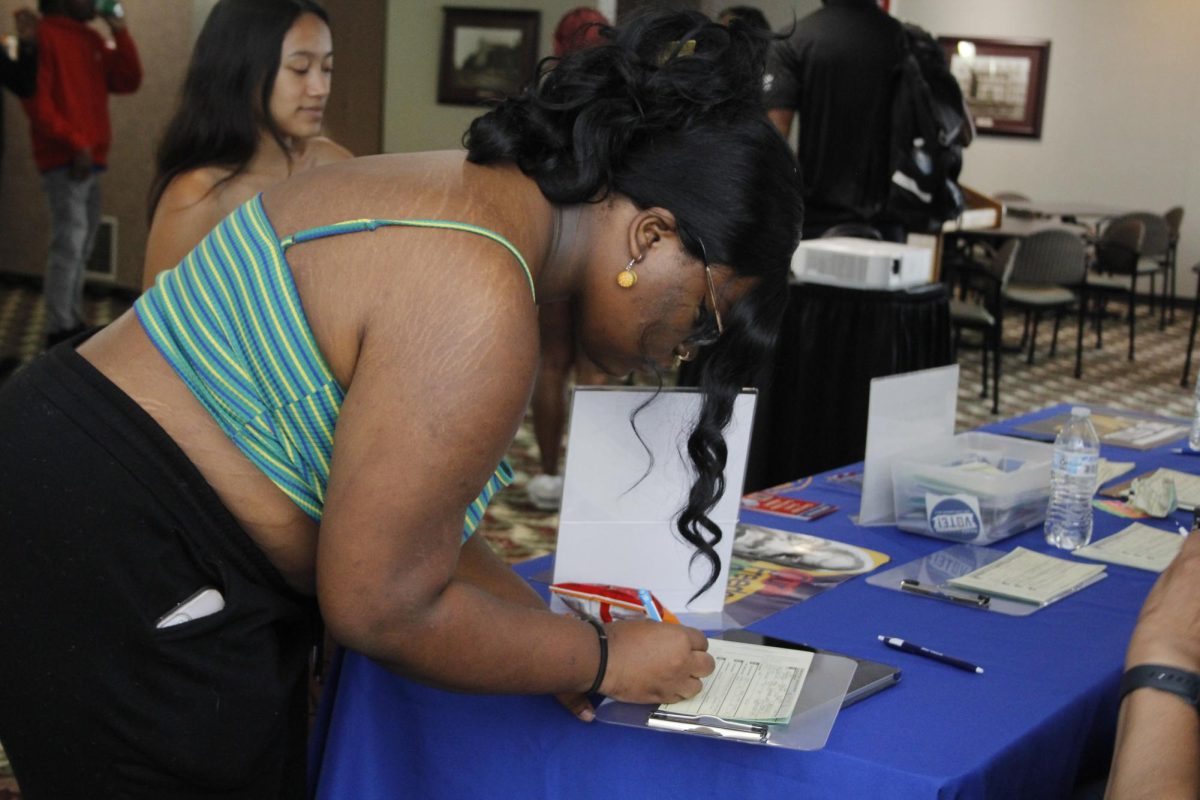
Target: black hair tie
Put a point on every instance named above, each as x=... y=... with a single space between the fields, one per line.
x=603 y=654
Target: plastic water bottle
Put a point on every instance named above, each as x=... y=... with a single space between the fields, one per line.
x=1073 y=473
x=1194 y=436
x=110 y=8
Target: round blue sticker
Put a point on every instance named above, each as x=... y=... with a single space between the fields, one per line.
x=952 y=517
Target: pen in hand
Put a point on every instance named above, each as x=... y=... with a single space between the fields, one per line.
x=918 y=650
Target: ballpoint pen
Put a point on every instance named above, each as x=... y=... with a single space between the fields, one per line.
x=945 y=593
x=709 y=726
x=918 y=650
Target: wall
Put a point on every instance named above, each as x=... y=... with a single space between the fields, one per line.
x=413 y=120
x=1122 y=104
x=354 y=113
x=162 y=30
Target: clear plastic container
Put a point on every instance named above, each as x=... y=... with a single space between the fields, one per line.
x=974 y=488
x=1073 y=475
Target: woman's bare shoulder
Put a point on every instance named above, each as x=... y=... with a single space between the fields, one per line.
x=323 y=150
x=193 y=188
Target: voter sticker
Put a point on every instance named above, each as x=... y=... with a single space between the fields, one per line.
x=953 y=516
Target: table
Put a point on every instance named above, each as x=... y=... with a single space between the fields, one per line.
x=1018 y=227
x=1064 y=209
x=1038 y=721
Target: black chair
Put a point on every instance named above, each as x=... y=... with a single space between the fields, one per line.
x=1152 y=262
x=981 y=307
x=1117 y=267
x=1048 y=275
x=1187 y=362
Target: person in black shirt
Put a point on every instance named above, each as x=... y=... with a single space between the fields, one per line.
x=835 y=71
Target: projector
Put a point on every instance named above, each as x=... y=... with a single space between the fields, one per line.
x=862 y=263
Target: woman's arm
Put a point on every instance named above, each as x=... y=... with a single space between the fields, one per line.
x=186 y=212
x=445 y=363
x=479 y=565
x=1157 y=752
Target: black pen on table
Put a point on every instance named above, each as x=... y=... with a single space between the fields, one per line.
x=918 y=650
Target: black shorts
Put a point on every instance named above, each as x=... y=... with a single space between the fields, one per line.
x=105 y=525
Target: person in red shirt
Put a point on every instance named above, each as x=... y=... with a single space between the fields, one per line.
x=69 y=125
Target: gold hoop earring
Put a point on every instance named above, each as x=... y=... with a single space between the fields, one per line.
x=626 y=278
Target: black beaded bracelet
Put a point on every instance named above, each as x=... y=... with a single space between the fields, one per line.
x=1166 y=679
x=603 y=654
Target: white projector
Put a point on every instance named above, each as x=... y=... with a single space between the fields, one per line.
x=862 y=263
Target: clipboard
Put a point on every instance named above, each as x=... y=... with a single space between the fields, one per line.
x=934 y=570
x=816 y=710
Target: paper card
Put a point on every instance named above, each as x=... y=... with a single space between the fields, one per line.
x=752 y=683
x=621 y=496
x=1029 y=577
x=1111 y=470
x=905 y=411
x=1139 y=546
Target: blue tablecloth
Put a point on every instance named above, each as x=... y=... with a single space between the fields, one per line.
x=1037 y=722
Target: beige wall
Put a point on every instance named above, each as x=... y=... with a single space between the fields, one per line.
x=413 y=120
x=163 y=31
x=1122 y=114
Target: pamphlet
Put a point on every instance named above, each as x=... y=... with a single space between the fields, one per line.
x=1139 y=546
x=802 y=551
x=1123 y=428
x=1029 y=577
x=752 y=683
x=772 y=570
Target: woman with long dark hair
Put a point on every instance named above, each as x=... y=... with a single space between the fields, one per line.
x=310 y=409
x=249 y=117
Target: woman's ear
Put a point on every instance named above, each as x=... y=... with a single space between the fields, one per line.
x=648 y=228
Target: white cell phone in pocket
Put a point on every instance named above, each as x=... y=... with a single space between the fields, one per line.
x=204 y=602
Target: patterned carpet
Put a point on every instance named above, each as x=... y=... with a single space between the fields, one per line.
x=518 y=531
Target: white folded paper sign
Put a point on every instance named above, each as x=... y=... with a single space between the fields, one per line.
x=905 y=411
x=617 y=527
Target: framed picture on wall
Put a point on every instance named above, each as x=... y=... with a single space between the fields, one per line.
x=1003 y=81
x=487 y=54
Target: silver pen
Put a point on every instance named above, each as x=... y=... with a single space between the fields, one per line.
x=709 y=726
x=945 y=593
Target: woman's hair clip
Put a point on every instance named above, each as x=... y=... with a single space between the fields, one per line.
x=677 y=50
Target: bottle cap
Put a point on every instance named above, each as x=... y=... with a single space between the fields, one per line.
x=1081 y=411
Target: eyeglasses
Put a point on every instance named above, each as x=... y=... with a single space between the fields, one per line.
x=704 y=334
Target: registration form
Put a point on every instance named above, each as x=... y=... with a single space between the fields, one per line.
x=751 y=683
x=1029 y=577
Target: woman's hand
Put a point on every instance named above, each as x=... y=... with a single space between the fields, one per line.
x=579 y=704
x=652 y=662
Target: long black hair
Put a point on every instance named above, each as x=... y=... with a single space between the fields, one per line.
x=226 y=96
x=668 y=112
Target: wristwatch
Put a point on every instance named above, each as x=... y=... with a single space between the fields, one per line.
x=1165 y=679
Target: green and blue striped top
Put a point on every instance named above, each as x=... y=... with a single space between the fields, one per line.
x=229 y=321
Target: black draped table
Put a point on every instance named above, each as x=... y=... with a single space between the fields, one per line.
x=812 y=407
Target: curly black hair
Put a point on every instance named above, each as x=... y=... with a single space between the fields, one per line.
x=667 y=111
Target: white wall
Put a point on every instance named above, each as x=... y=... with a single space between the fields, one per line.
x=1122 y=115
